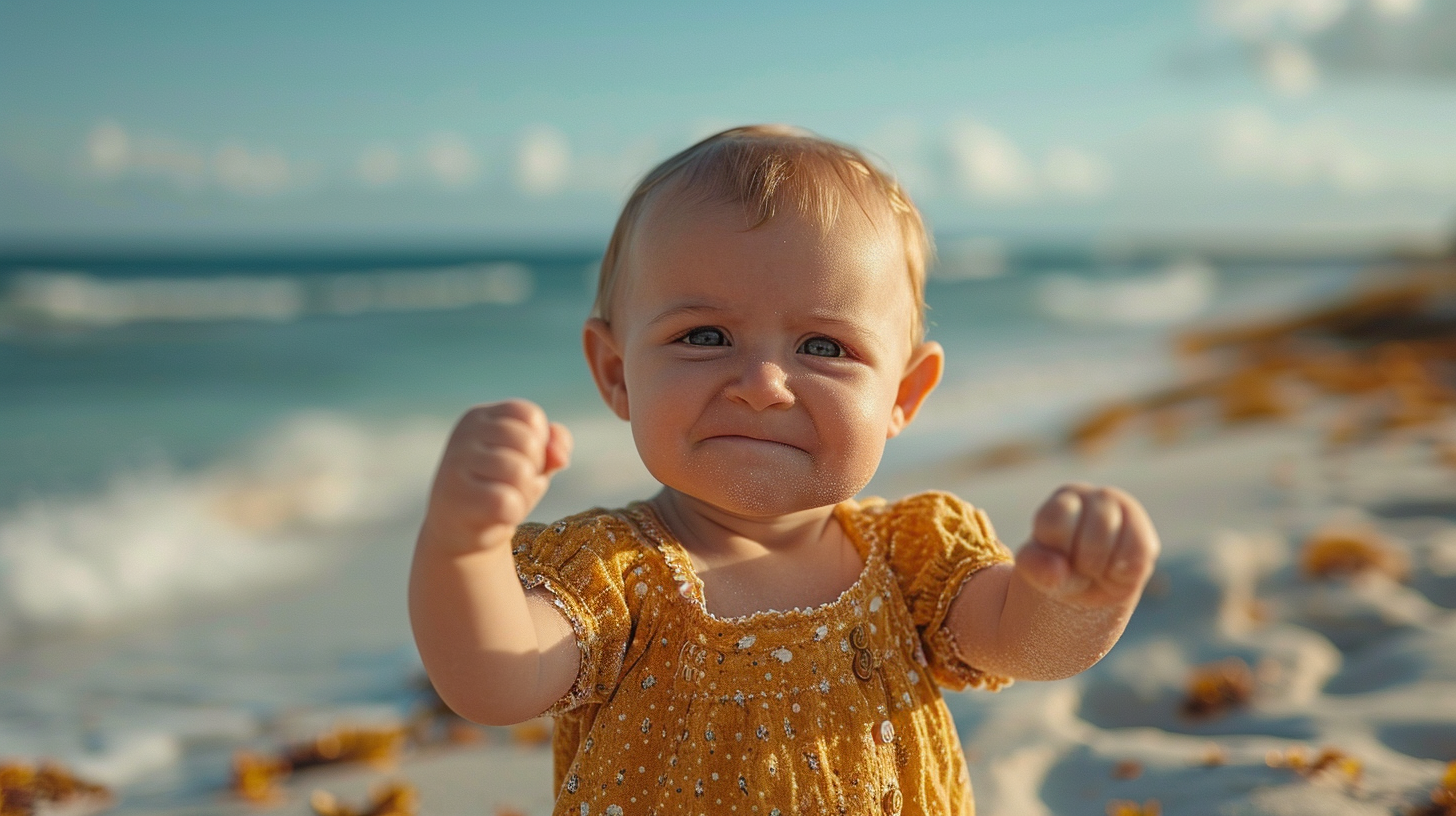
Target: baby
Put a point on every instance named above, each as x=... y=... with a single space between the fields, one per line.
x=753 y=639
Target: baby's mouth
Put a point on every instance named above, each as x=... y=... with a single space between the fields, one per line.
x=753 y=440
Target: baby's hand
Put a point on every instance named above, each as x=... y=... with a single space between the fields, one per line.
x=1090 y=547
x=496 y=467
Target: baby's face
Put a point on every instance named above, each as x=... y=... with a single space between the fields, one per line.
x=761 y=367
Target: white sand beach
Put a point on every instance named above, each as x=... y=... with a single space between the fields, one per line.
x=1363 y=666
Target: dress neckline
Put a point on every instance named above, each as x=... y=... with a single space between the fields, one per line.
x=650 y=526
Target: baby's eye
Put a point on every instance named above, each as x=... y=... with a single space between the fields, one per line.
x=705 y=336
x=822 y=347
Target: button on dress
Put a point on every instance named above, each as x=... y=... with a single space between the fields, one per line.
x=834 y=709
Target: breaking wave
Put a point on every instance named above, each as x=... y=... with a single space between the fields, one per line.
x=80 y=299
x=160 y=538
x=1177 y=293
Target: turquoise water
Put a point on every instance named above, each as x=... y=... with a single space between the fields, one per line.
x=210 y=468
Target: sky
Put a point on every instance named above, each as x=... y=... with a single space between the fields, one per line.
x=173 y=123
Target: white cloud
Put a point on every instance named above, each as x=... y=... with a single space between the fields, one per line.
x=1259 y=19
x=614 y=173
x=1076 y=173
x=901 y=144
x=378 y=165
x=1251 y=144
x=543 y=161
x=109 y=149
x=450 y=161
x=1289 y=69
x=1396 y=8
x=114 y=153
x=988 y=165
x=242 y=171
x=1294 y=42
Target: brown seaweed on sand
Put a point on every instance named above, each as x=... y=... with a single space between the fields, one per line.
x=1123 y=807
x=1214 y=756
x=1127 y=769
x=531 y=732
x=28 y=789
x=1328 y=762
x=1443 y=796
x=396 y=799
x=1384 y=358
x=1098 y=430
x=257 y=777
x=1005 y=455
x=1214 y=688
x=1344 y=551
x=434 y=722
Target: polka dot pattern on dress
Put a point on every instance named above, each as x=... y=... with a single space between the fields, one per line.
x=738 y=715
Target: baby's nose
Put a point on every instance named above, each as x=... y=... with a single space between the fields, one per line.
x=762 y=385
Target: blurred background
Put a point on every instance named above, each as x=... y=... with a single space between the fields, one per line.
x=255 y=258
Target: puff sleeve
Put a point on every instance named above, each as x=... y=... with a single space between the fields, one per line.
x=937 y=541
x=580 y=562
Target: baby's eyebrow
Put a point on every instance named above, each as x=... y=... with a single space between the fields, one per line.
x=686 y=309
x=847 y=322
x=837 y=319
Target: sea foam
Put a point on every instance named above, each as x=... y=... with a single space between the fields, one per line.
x=1177 y=293
x=158 y=538
x=79 y=299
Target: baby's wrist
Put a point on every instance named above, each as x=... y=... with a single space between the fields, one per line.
x=461 y=539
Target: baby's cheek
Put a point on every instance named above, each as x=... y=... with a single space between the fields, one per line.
x=655 y=436
x=869 y=414
x=858 y=427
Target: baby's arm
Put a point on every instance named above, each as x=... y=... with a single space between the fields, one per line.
x=1064 y=602
x=495 y=654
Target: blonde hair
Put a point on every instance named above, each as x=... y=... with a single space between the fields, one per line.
x=768 y=167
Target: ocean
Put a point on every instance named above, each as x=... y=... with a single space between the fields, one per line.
x=212 y=467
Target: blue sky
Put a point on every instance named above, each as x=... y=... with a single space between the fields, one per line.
x=273 y=123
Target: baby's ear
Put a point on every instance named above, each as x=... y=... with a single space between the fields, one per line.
x=604 y=358
x=922 y=374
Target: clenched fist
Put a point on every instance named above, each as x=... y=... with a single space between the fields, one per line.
x=495 y=469
x=1090 y=547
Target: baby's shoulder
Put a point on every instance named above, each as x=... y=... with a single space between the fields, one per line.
x=932 y=507
x=921 y=524
x=598 y=534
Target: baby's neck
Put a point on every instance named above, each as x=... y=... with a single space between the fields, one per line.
x=749 y=565
x=712 y=533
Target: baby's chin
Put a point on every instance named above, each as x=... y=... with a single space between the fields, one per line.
x=755 y=493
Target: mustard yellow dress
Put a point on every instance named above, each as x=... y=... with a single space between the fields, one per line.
x=829 y=710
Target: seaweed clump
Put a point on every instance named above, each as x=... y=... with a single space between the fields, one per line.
x=1383 y=358
x=1215 y=688
x=1328 y=762
x=28 y=789
x=1342 y=552
x=1123 y=807
x=397 y=799
x=258 y=777
x=1443 y=796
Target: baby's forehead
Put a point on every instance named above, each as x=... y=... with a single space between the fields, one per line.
x=685 y=214
x=827 y=205
x=688 y=251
